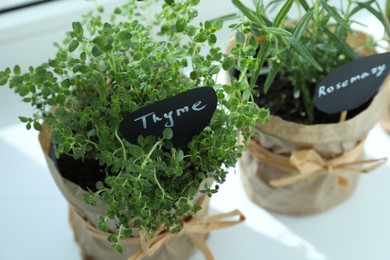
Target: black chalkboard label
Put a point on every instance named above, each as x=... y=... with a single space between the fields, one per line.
x=187 y=114
x=352 y=84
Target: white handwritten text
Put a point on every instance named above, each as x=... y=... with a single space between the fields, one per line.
x=169 y=116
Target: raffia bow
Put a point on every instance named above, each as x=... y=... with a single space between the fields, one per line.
x=195 y=228
x=307 y=163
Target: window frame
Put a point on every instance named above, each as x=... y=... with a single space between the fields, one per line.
x=9 y=6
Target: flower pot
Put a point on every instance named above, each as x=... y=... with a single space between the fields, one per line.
x=297 y=169
x=304 y=169
x=93 y=243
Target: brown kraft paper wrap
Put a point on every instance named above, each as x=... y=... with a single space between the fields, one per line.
x=165 y=246
x=326 y=159
x=385 y=119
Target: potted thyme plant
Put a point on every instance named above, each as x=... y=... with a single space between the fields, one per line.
x=300 y=161
x=138 y=195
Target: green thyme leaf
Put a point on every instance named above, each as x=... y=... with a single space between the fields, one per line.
x=73 y=45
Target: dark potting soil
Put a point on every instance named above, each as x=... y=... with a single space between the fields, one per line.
x=88 y=172
x=82 y=173
x=281 y=102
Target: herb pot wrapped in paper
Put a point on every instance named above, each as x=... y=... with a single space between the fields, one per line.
x=147 y=198
x=302 y=161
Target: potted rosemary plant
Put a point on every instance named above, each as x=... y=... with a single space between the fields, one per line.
x=303 y=160
x=141 y=196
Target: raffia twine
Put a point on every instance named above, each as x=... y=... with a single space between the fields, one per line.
x=308 y=163
x=195 y=227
